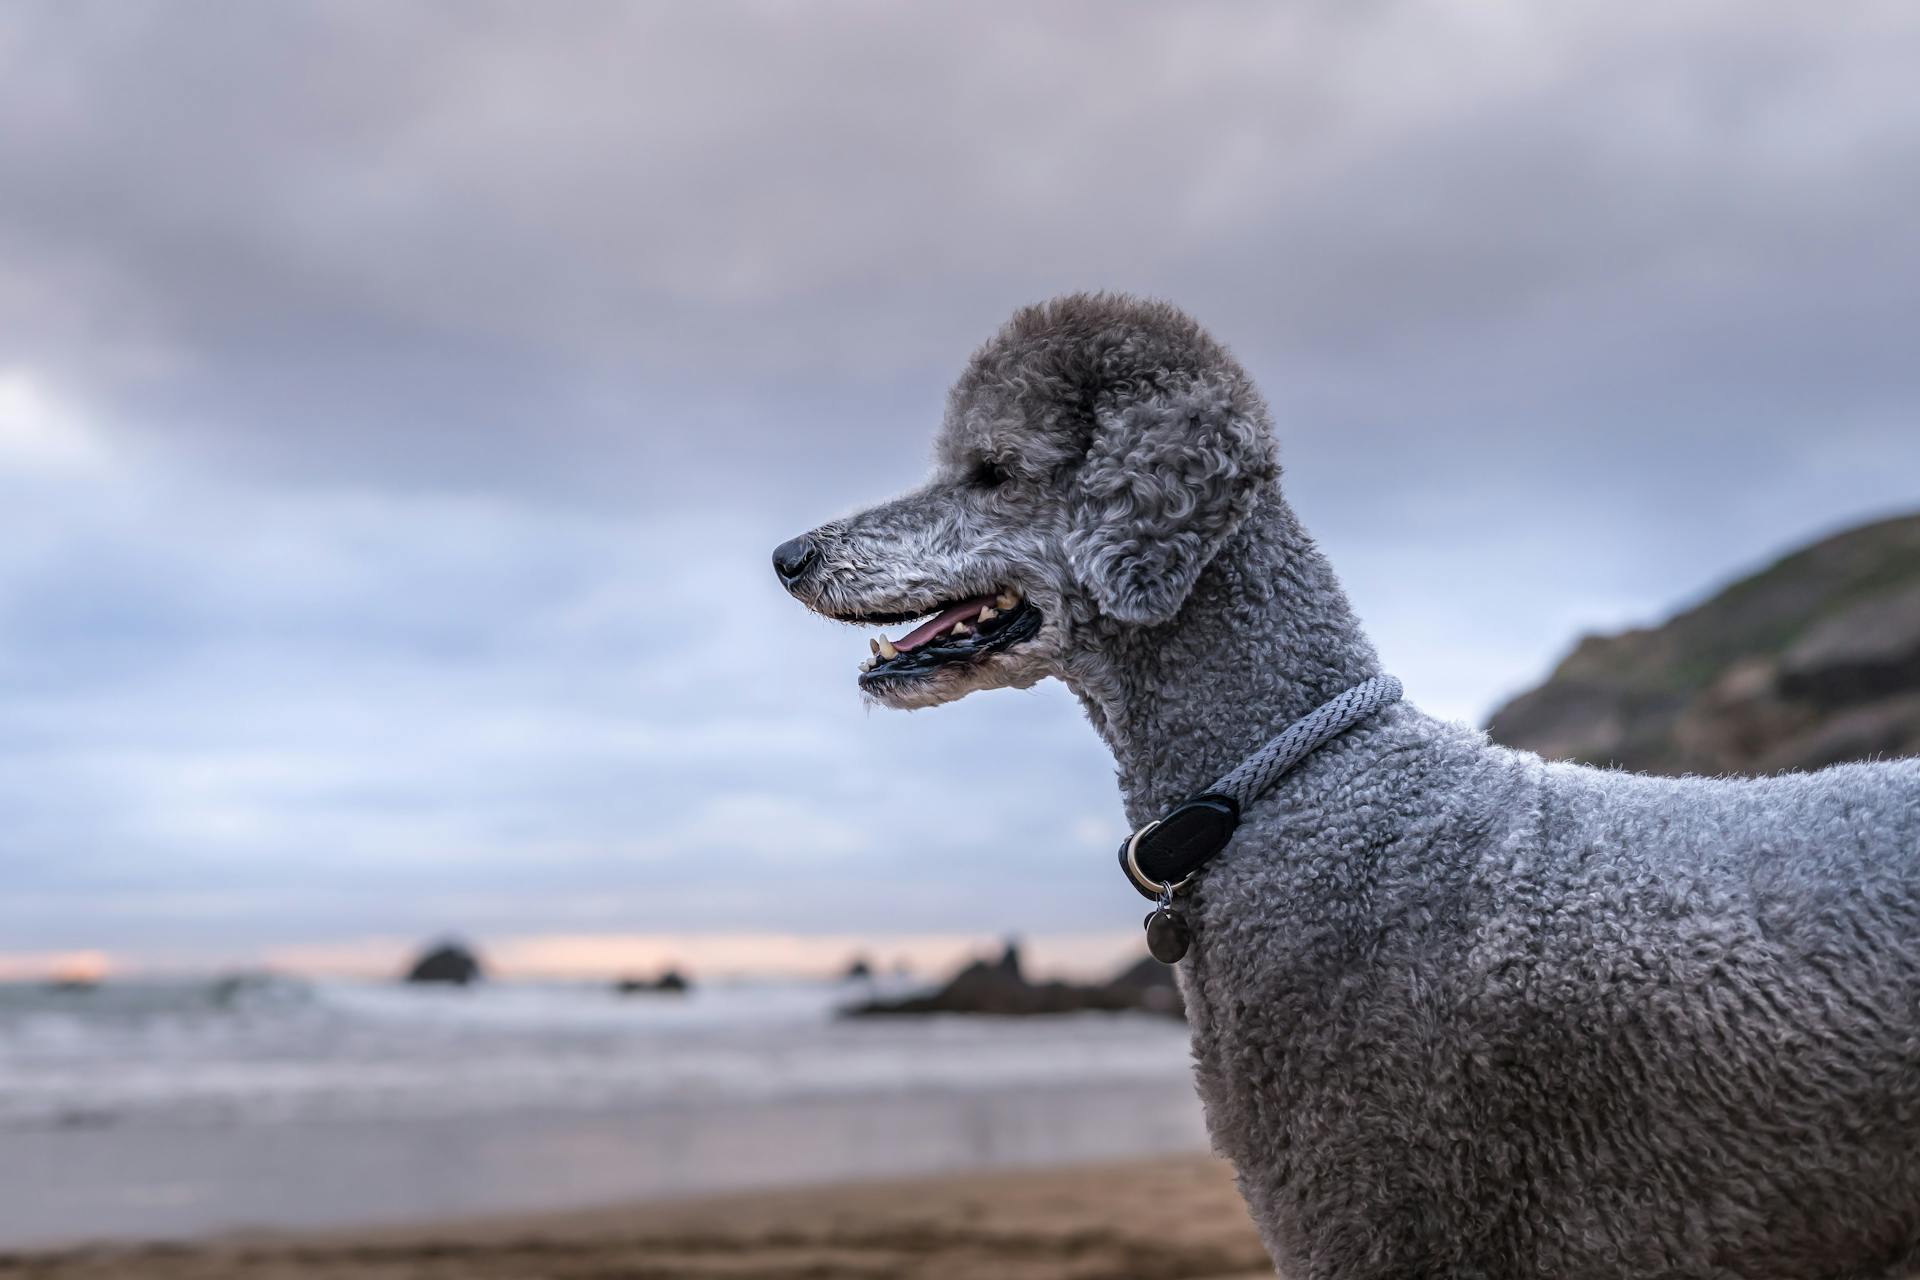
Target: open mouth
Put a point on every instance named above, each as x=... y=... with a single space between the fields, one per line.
x=956 y=634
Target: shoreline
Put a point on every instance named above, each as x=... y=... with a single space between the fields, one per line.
x=1153 y=1218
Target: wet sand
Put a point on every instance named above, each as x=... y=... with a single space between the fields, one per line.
x=154 y=1180
x=1168 y=1218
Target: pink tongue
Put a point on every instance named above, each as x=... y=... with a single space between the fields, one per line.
x=962 y=612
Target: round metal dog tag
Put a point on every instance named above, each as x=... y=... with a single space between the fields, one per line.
x=1168 y=936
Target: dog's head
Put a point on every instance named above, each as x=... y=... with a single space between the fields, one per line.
x=1095 y=456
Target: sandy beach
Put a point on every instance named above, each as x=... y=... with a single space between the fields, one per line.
x=1172 y=1218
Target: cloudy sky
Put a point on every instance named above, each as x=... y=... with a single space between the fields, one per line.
x=398 y=401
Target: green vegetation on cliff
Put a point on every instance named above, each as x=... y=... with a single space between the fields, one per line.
x=1811 y=661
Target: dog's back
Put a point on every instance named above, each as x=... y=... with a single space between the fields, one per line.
x=1571 y=1022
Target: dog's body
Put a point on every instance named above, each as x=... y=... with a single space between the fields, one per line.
x=1456 y=1011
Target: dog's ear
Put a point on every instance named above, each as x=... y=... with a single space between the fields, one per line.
x=1167 y=479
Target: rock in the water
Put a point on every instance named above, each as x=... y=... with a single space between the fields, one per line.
x=1810 y=662
x=858 y=971
x=450 y=962
x=999 y=987
x=1010 y=961
x=671 y=982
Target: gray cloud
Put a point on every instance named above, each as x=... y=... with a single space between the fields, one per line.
x=427 y=381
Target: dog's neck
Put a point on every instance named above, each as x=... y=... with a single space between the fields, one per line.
x=1266 y=636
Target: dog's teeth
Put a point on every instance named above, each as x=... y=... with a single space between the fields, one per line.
x=874 y=645
x=867 y=665
x=1007 y=599
x=987 y=613
x=885 y=649
x=961 y=629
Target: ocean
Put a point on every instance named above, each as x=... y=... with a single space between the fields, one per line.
x=174 y=1109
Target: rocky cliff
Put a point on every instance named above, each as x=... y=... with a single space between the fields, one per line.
x=1811 y=661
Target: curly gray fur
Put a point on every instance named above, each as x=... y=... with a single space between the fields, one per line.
x=1456 y=1011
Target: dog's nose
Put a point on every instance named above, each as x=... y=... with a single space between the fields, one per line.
x=794 y=557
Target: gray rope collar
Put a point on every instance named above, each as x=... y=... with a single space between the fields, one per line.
x=1254 y=776
x=1162 y=858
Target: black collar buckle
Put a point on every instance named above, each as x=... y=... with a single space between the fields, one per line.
x=1162 y=858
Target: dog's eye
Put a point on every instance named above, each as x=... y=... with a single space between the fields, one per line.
x=987 y=474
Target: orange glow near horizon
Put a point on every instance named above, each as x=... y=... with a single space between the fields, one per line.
x=56 y=966
x=725 y=954
x=597 y=956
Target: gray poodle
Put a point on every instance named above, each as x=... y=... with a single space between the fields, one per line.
x=1456 y=1011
